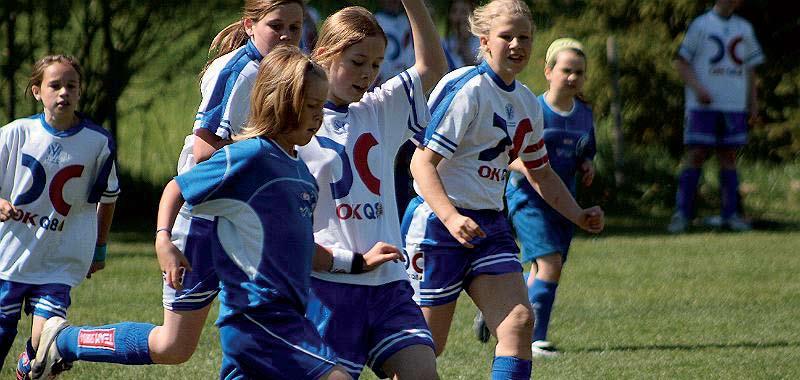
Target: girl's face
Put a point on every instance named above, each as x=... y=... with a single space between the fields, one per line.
x=352 y=72
x=282 y=25
x=568 y=74
x=310 y=115
x=59 y=91
x=508 y=46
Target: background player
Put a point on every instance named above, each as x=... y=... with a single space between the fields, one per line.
x=58 y=187
x=263 y=199
x=226 y=85
x=369 y=317
x=482 y=118
x=716 y=61
x=545 y=234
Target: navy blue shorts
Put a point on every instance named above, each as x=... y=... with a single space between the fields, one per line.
x=273 y=345
x=367 y=324
x=46 y=301
x=716 y=128
x=201 y=284
x=440 y=267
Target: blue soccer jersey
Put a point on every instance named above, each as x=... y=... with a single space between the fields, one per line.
x=263 y=201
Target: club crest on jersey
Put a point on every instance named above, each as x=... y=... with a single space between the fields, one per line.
x=310 y=202
x=54 y=153
x=509 y=111
x=339 y=126
x=102 y=339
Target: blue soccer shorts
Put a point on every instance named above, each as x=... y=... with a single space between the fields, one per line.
x=279 y=344
x=367 y=324
x=715 y=128
x=194 y=237
x=440 y=267
x=541 y=231
x=46 y=301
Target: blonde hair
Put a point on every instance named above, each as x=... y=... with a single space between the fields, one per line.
x=343 y=29
x=234 y=35
x=560 y=45
x=278 y=95
x=37 y=74
x=480 y=21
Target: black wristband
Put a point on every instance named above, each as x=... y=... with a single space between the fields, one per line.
x=358 y=264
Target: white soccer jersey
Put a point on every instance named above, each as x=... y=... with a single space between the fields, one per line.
x=55 y=180
x=352 y=158
x=479 y=125
x=225 y=103
x=721 y=51
x=399 y=54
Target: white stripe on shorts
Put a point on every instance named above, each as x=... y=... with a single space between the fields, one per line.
x=296 y=347
x=393 y=339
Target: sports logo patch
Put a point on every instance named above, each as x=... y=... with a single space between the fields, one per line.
x=102 y=339
x=510 y=111
x=54 y=153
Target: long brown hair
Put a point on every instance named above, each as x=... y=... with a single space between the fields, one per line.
x=343 y=29
x=234 y=35
x=278 y=95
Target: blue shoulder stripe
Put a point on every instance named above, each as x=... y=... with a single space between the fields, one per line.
x=445 y=97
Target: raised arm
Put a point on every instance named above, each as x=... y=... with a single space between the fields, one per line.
x=547 y=183
x=430 y=60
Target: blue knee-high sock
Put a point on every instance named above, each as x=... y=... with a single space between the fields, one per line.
x=542 y=295
x=24 y=362
x=122 y=343
x=729 y=191
x=8 y=331
x=510 y=368
x=687 y=191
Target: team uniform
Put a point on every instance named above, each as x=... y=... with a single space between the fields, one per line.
x=365 y=317
x=454 y=59
x=55 y=180
x=569 y=139
x=225 y=105
x=479 y=125
x=262 y=246
x=721 y=51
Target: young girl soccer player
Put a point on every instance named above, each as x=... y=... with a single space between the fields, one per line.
x=57 y=192
x=456 y=232
x=226 y=85
x=262 y=198
x=545 y=235
x=365 y=311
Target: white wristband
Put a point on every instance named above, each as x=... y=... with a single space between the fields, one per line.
x=342 y=261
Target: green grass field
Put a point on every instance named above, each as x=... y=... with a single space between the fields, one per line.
x=634 y=303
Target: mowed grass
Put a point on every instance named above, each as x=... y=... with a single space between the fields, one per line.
x=633 y=303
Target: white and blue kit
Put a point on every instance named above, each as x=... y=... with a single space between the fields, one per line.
x=399 y=54
x=569 y=139
x=479 y=125
x=365 y=317
x=54 y=179
x=263 y=202
x=721 y=52
x=224 y=108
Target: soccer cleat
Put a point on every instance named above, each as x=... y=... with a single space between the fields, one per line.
x=678 y=224
x=544 y=349
x=480 y=329
x=23 y=366
x=48 y=362
x=714 y=221
x=737 y=224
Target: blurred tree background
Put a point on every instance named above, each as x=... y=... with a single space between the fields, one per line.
x=142 y=58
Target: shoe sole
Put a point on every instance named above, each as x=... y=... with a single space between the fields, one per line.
x=39 y=366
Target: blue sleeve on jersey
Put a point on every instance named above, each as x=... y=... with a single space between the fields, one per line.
x=100 y=187
x=199 y=184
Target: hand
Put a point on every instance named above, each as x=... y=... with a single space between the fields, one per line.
x=592 y=219
x=588 y=173
x=464 y=229
x=754 y=119
x=704 y=97
x=7 y=210
x=172 y=262
x=96 y=266
x=380 y=253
